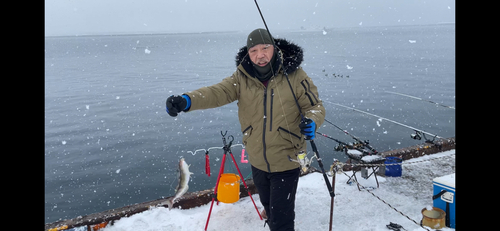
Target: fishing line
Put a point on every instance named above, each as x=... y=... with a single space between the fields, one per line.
x=414 y=97
x=383 y=118
x=173 y=183
x=286 y=121
x=276 y=49
x=313 y=145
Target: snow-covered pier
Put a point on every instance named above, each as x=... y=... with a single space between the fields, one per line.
x=353 y=210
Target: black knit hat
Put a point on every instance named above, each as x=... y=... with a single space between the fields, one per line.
x=258 y=36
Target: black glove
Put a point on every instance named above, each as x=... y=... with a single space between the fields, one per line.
x=308 y=128
x=178 y=103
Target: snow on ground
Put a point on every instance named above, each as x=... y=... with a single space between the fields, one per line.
x=353 y=210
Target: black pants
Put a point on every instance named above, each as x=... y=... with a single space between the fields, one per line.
x=277 y=195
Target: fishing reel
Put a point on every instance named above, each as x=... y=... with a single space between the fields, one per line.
x=303 y=161
x=357 y=144
x=416 y=136
x=336 y=167
x=339 y=148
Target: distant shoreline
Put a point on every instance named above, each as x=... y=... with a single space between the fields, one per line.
x=233 y=31
x=141 y=33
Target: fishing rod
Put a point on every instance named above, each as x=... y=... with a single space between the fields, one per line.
x=313 y=145
x=413 y=97
x=365 y=143
x=343 y=146
x=415 y=136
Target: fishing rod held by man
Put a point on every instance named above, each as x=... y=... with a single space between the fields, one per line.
x=274 y=123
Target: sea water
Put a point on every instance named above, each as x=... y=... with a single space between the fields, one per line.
x=110 y=143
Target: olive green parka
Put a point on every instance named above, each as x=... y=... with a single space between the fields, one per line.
x=268 y=116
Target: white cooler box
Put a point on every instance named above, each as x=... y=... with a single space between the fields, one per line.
x=445 y=200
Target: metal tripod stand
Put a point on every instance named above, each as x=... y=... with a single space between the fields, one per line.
x=227 y=149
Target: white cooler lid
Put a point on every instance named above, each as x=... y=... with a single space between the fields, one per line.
x=448 y=180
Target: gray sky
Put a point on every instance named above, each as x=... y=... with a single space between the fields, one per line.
x=77 y=17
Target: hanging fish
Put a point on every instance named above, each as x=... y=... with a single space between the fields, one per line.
x=182 y=187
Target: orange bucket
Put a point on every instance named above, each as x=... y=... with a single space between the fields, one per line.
x=228 y=190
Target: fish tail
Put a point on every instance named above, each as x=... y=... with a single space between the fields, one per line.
x=170 y=204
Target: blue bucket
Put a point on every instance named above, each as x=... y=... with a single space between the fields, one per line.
x=393 y=170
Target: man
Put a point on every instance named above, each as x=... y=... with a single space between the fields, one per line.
x=269 y=116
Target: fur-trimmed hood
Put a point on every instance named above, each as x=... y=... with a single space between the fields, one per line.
x=292 y=56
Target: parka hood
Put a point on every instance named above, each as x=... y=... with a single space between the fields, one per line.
x=292 y=56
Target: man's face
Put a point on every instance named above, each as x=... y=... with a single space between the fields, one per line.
x=261 y=54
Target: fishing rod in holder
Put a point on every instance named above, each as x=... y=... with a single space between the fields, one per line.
x=345 y=147
x=419 y=133
x=418 y=136
x=358 y=142
x=418 y=98
x=341 y=146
